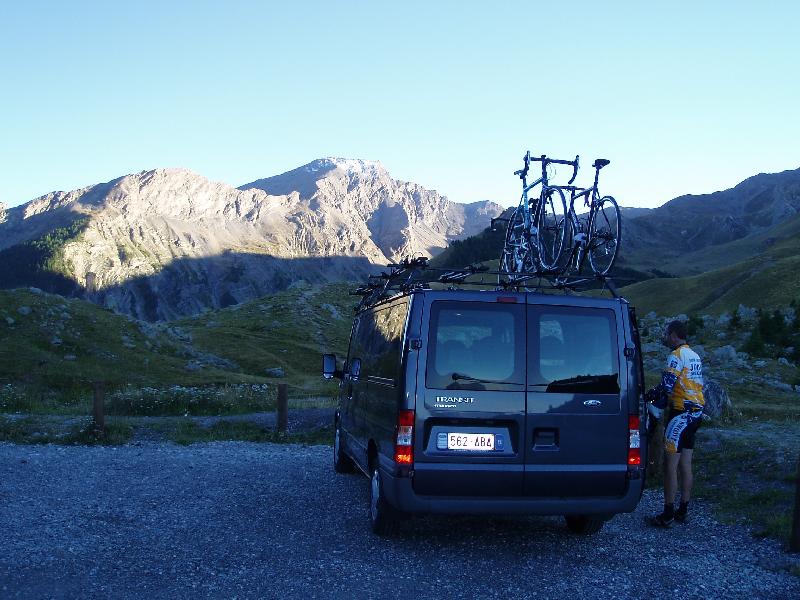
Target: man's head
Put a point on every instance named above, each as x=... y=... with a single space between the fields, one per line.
x=675 y=334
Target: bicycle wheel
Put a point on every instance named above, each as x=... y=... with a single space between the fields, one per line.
x=517 y=256
x=604 y=236
x=552 y=227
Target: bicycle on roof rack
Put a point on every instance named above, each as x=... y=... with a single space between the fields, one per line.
x=413 y=274
x=595 y=234
x=535 y=232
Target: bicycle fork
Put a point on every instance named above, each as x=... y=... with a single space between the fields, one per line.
x=579 y=243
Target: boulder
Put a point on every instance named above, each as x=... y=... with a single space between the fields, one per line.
x=717 y=400
x=746 y=313
x=275 y=372
x=780 y=385
x=24 y=310
x=725 y=354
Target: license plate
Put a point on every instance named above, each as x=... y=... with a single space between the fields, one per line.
x=470 y=441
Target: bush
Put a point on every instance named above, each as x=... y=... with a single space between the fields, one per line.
x=695 y=324
x=755 y=343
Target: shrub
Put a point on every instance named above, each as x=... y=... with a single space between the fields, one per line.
x=695 y=324
x=755 y=343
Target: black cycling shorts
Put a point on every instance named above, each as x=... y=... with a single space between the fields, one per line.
x=680 y=430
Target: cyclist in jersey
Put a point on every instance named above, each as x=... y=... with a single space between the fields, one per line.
x=681 y=393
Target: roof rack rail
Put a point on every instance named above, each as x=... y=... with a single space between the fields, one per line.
x=415 y=273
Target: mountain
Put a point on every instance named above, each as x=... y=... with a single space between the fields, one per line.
x=760 y=271
x=167 y=243
x=693 y=234
x=360 y=196
x=689 y=235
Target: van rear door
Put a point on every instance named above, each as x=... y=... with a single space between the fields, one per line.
x=576 y=430
x=471 y=396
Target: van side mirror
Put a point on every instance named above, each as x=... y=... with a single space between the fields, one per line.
x=329 y=369
x=355 y=369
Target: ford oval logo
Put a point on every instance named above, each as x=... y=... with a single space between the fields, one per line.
x=592 y=403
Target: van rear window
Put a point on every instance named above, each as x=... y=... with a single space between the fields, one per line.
x=475 y=345
x=573 y=350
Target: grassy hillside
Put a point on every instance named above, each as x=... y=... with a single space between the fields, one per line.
x=41 y=263
x=778 y=242
x=768 y=280
x=58 y=343
x=52 y=344
x=289 y=330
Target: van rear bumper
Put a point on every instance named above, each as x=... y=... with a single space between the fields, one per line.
x=401 y=495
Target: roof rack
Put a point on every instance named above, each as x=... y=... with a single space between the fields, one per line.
x=415 y=273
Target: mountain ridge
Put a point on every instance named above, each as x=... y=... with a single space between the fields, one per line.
x=167 y=231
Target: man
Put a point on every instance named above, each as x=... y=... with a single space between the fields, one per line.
x=681 y=392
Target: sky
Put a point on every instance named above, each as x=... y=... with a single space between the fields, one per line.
x=682 y=97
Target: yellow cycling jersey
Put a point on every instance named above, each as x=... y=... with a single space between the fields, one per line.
x=683 y=380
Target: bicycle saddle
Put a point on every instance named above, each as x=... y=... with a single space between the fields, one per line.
x=600 y=163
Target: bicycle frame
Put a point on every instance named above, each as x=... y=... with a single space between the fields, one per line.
x=531 y=213
x=582 y=239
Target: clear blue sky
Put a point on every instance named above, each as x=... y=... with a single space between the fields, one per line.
x=683 y=97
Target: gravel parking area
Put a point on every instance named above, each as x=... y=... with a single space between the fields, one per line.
x=243 y=520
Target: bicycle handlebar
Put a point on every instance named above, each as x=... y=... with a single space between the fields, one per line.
x=528 y=159
x=524 y=171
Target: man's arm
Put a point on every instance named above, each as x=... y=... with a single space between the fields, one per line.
x=659 y=395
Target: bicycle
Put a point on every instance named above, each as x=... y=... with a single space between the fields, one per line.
x=535 y=233
x=598 y=235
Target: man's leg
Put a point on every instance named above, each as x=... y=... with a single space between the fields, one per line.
x=686 y=479
x=671 y=477
x=685 y=467
x=672 y=456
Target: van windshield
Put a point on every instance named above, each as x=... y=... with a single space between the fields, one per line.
x=573 y=350
x=475 y=345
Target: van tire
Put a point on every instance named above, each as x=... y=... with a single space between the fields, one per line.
x=584 y=524
x=382 y=516
x=341 y=462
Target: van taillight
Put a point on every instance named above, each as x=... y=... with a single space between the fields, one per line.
x=404 y=444
x=634 y=441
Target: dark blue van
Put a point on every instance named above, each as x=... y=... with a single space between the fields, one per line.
x=492 y=402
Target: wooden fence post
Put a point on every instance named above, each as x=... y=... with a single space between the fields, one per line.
x=98 y=408
x=283 y=407
x=794 y=539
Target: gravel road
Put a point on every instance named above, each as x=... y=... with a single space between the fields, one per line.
x=242 y=520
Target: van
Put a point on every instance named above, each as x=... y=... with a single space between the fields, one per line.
x=493 y=402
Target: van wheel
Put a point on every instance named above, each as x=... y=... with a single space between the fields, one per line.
x=584 y=524
x=341 y=462
x=382 y=516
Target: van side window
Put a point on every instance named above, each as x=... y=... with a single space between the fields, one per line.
x=573 y=350
x=378 y=342
x=475 y=346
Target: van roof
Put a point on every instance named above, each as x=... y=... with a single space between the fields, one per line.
x=530 y=297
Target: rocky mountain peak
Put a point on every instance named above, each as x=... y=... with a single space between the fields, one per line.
x=163 y=243
x=348 y=165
